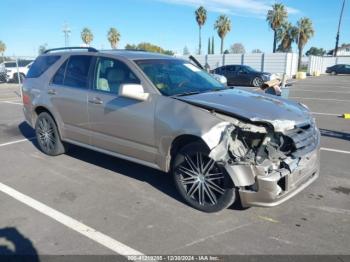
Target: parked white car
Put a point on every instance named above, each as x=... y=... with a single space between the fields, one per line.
x=11 y=70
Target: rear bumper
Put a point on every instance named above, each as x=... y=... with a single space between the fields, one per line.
x=28 y=116
x=274 y=189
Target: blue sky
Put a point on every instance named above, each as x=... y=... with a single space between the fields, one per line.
x=26 y=24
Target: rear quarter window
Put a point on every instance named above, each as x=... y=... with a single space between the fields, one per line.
x=40 y=65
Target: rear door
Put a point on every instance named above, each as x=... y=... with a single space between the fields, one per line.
x=68 y=93
x=119 y=124
x=243 y=76
x=231 y=75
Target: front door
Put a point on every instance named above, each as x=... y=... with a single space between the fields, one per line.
x=118 y=124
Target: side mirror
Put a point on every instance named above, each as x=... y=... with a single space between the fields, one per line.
x=133 y=91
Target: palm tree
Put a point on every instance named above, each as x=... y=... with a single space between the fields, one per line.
x=286 y=34
x=223 y=26
x=87 y=36
x=201 y=17
x=113 y=37
x=2 y=49
x=276 y=17
x=304 y=33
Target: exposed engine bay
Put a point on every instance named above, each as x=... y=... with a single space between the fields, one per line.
x=246 y=146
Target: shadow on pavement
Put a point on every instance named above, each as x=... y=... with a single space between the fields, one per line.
x=335 y=134
x=26 y=130
x=158 y=179
x=16 y=247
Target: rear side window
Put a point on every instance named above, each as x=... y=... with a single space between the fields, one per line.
x=77 y=71
x=40 y=65
x=58 y=79
x=231 y=68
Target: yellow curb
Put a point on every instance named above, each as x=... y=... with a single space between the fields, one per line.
x=346 y=116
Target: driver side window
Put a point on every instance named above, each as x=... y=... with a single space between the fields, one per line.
x=111 y=74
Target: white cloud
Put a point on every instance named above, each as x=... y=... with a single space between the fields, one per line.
x=256 y=8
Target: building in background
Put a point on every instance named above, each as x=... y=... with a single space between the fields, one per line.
x=344 y=50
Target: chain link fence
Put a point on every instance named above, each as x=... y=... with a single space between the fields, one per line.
x=14 y=69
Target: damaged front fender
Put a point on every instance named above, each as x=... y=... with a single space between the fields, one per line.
x=232 y=152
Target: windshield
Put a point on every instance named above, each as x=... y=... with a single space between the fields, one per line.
x=10 y=64
x=176 y=77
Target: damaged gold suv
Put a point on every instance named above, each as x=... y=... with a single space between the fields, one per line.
x=220 y=144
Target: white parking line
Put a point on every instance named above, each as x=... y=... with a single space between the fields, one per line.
x=322 y=91
x=320 y=99
x=71 y=223
x=12 y=103
x=335 y=150
x=17 y=141
x=325 y=114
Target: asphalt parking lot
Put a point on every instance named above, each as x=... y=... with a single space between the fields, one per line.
x=86 y=203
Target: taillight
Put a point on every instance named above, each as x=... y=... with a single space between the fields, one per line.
x=26 y=99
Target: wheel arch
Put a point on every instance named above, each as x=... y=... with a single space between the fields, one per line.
x=40 y=109
x=178 y=143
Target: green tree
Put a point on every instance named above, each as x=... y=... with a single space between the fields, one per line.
x=286 y=34
x=148 y=47
x=186 y=51
x=201 y=18
x=212 y=45
x=87 y=36
x=2 y=50
x=113 y=37
x=131 y=47
x=316 y=51
x=276 y=17
x=42 y=48
x=256 y=51
x=237 y=48
x=223 y=26
x=209 y=46
x=305 y=32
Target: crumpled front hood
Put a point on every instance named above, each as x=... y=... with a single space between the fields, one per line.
x=283 y=114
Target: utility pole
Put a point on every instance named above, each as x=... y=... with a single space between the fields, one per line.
x=337 y=38
x=66 y=30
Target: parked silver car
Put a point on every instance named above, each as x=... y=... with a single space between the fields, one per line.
x=221 y=144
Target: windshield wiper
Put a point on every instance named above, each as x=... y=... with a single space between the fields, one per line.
x=189 y=93
x=199 y=92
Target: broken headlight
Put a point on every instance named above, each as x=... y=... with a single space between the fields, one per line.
x=244 y=145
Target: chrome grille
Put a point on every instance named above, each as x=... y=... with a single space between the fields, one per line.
x=305 y=138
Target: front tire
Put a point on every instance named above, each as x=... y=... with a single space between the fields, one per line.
x=333 y=73
x=257 y=82
x=48 y=136
x=201 y=182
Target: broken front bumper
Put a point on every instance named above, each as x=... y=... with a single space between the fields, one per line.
x=277 y=187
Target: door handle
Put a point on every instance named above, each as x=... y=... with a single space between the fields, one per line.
x=52 y=92
x=96 y=101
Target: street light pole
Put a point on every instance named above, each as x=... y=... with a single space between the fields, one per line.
x=66 y=31
x=338 y=33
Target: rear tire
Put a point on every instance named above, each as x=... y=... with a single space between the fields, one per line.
x=201 y=182
x=47 y=135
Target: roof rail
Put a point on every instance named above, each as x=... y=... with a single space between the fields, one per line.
x=126 y=49
x=89 y=49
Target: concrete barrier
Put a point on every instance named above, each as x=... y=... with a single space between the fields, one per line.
x=301 y=75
